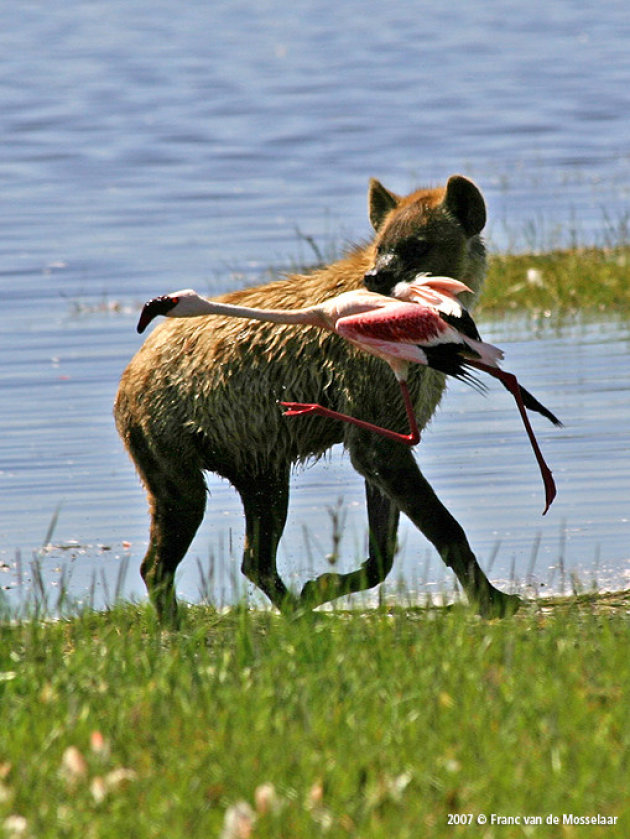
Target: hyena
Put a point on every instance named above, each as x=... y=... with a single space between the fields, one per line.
x=202 y=395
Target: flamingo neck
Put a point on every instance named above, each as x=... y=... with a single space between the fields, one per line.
x=309 y=316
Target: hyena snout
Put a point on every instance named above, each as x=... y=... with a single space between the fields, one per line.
x=385 y=273
x=402 y=264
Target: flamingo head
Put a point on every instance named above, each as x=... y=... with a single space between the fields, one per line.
x=178 y=304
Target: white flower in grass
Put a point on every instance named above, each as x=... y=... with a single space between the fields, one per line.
x=238 y=822
x=15 y=827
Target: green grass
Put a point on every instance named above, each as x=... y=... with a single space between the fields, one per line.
x=585 y=280
x=373 y=724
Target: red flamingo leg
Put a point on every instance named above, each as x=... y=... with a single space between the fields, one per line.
x=510 y=382
x=294 y=409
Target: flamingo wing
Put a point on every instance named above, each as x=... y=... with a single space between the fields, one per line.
x=396 y=323
x=434 y=291
x=416 y=333
x=393 y=332
x=440 y=293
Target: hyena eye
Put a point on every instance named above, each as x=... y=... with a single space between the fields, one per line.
x=413 y=249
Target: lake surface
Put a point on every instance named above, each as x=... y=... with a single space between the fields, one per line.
x=150 y=146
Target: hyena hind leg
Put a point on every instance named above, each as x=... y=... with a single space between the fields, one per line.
x=177 y=501
x=265 y=498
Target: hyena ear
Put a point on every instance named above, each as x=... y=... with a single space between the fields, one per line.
x=380 y=202
x=466 y=203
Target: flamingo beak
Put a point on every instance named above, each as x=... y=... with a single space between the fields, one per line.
x=157 y=306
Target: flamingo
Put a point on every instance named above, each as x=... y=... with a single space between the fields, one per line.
x=423 y=323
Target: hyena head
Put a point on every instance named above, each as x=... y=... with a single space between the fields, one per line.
x=432 y=230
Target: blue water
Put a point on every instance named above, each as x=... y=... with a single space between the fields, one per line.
x=148 y=146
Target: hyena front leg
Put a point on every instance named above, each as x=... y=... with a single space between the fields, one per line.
x=392 y=468
x=383 y=518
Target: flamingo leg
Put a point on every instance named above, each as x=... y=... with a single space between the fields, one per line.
x=294 y=409
x=510 y=382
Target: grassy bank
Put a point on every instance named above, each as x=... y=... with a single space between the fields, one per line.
x=589 y=280
x=373 y=725
x=564 y=281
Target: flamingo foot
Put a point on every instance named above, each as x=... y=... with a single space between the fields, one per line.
x=295 y=409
